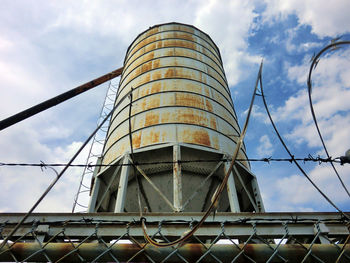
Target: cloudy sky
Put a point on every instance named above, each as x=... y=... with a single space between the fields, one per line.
x=48 y=47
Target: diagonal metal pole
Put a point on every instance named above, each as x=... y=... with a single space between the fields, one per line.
x=61 y=173
x=58 y=99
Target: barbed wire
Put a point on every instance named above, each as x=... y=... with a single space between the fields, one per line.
x=315 y=59
x=310 y=158
x=325 y=196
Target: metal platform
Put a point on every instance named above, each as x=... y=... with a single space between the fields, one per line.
x=229 y=237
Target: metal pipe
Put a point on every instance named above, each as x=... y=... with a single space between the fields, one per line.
x=58 y=99
x=191 y=252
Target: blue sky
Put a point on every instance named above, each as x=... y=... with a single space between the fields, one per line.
x=48 y=47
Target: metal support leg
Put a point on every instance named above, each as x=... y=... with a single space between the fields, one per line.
x=257 y=195
x=177 y=180
x=95 y=189
x=232 y=192
x=123 y=184
x=93 y=198
x=251 y=199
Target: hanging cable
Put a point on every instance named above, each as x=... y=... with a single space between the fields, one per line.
x=314 y=63
x=215 y=199
x=60 y=174
x=292 y=156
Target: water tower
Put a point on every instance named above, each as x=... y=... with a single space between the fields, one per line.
x=177 y=127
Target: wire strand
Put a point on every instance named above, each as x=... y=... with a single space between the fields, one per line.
x=265 y=160
x=292 y=156
x=309 y=84
x=4 y=242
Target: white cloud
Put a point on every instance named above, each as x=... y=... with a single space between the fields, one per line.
x=330 y=95
x=326 y=18
x=265 y=148
x=230 y=34
x=26 y=184
x=297 y=190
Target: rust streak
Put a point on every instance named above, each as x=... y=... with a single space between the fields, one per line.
x=199 y=137
x=189 y=100
x=213 y=123
x=151 y=119
x=136 y=140
x=156 y=87
x=209 y=105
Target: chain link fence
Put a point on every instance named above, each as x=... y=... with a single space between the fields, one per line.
x=245 y=237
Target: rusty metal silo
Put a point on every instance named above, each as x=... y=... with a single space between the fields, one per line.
x=181 y=111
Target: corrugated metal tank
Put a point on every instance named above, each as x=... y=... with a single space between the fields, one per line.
x=183 y=124
x=180 y=94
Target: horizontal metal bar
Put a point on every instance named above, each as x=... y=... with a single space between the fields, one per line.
x=236 y=225
x=239 y=231
x=192 y=216
x=191 y=252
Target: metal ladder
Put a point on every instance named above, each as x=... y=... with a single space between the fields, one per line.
x=81 y=198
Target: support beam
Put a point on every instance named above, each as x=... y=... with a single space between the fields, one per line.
x=177 y=178
x=251 y=199
x=95 y=188
x=232 y=192
x=123 y=184
x=107 y=190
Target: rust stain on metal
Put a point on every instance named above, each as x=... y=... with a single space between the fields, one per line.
x=147 y=78
x=154 y=102
x=156 y=87
x=201 y=137
x=144 y=68
x=189 y=100
x=151 y=119
x=171 y=52
x=143 y=104
x=196 y=136
x=164 y=136
x=156 y=63
x=209 y=105
x=189 y=116
x=170 y=73
x=206 y=91
x=165 y=117
x=157 y=75
x=152 y=137
x=215 y=142
x=144 y=91
x=213 y=123
x=159 y=44
x=136 y=140
x=184 y=36
x=188 y=86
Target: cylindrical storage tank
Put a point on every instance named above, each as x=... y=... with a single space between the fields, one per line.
x=180 y=94
x=181 y=123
